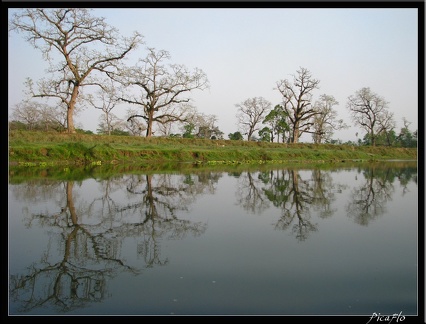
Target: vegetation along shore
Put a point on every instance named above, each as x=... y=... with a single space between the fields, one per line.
x=29 y=148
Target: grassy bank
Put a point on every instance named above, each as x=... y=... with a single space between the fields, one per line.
x=29 y=148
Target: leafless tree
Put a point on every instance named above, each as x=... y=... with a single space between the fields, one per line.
x=326 y=122
x=37 y=115
x=370 y=112
x=250 y=193
x=251 y=113
x=135 y=126
x=204 y=125
x=27 y=113
x=55 y=118
x=106 y=100
x=160 y=89
x=87 y=47
x=297 y=102
x=294 y=196
x=369 y=200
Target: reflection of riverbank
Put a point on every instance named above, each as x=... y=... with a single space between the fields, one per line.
x=19 y=174
x=73 y=242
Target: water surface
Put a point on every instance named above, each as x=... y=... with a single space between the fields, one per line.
x=280 y=241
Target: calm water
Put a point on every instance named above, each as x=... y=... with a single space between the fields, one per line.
x=299 y=241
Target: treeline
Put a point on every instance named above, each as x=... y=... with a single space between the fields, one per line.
x=405 y=138
x=92 y=73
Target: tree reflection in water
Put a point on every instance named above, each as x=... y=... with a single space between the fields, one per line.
x=371 y=196
x=86 y=234
x=294 y=196
x=89 y=237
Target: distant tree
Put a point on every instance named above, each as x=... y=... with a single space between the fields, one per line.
x=387 y=138
x=216 y=133
x=159 y=89
x=251 y=113
x=406 y=138
x=265 y=134
x=120 y=132
x=277 y=118
x=39 y=116
x=83 y=131
x=106 y=100
x=237 y=136
x=54 y=118
x=334 y=141
x=107 y=127
x=134 y=126
x=165 y=129
x=17 y=125
x=207 y=128
x=297 y=97
x=200 y=125
x=387 y=128
x=188 y=130
x=370 y=112
x=86 y=45
x=326 y=122
x=27 y=113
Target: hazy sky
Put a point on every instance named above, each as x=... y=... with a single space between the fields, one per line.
x=244 y=52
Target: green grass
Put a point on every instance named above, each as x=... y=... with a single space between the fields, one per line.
x=26 y=147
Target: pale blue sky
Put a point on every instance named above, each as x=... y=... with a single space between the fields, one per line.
x=244 y=52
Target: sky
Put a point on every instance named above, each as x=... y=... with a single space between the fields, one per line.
x=245 y=52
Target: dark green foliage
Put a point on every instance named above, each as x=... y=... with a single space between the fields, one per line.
x=237 y=136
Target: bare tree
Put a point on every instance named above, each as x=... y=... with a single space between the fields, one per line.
x=37 y=115
x=164 y=129
x=27 y=113
x=387 y=126
x=297 y=97
x=86 y=45
x=370 y=112
x=110 y=123
x=106 y=100
x=205 y=126
x=135 y=126
x=251 y=113
x=160 y=88
x=326 y=122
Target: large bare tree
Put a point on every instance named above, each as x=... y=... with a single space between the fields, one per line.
x=85 y=44
x=251 y=113
x=159 y=90
x=297 y=102
x=370 y=112
x=326 y=122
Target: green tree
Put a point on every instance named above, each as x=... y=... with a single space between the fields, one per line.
x=277 y=120
x=265 y=134
x=406 y=138
x=237 y=136
x=188 y=130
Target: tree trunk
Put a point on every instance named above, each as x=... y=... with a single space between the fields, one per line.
x=70 y=111
x=149 y=126
x=70 y=120
x=295 y=138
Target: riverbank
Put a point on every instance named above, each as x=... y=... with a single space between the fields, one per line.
x=30 y=148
